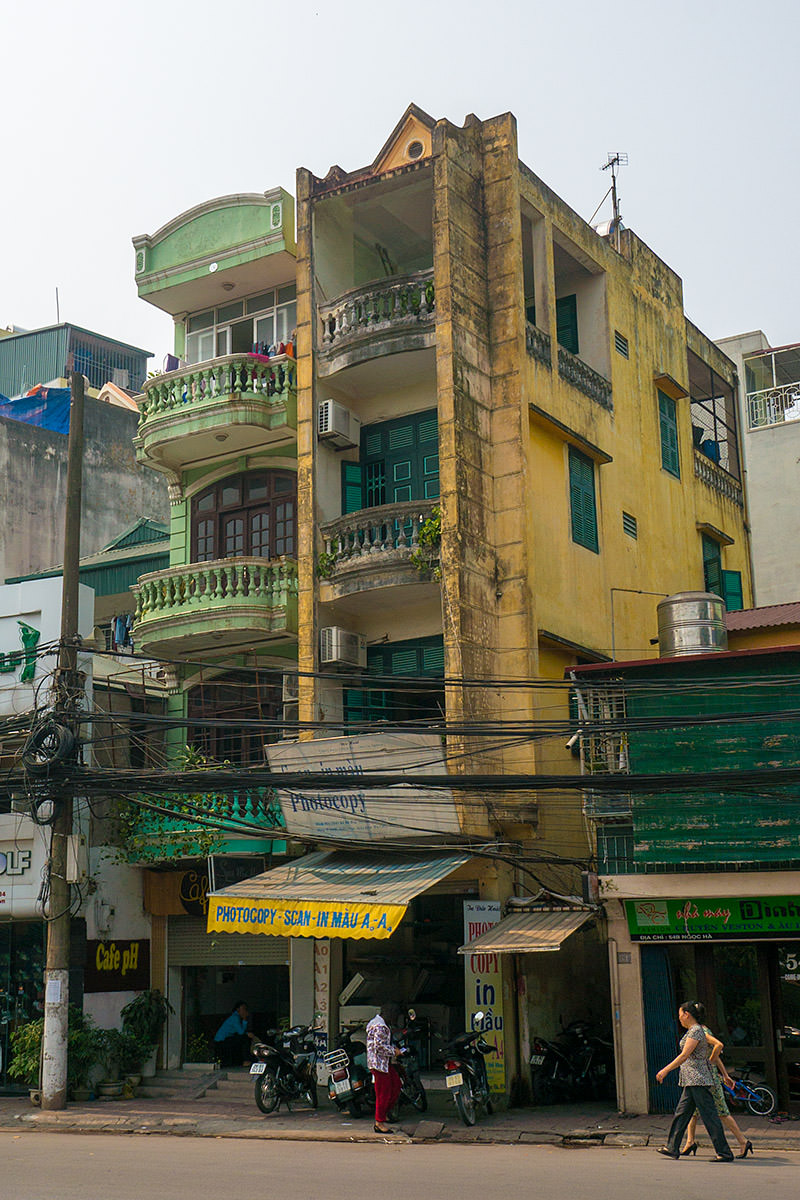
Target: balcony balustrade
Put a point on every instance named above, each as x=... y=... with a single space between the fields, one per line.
x=182 y=411
x=377 y=312
x=575 y=371
x=383 y=537
x=718 y=479
x=773 y=406
x=160 y=836
x=537 y=344
x=238 y=596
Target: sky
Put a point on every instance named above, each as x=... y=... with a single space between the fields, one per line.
x=116 y=118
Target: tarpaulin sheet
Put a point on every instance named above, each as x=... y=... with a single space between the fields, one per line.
x=43 y=406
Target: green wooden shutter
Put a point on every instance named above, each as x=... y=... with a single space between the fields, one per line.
x=732 y=592
x=583 y=509
x=668 y=422
x=352 y=489
x=567 y=323
x=712 y=565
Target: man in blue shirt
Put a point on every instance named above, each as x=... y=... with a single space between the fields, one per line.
x=232 y=1039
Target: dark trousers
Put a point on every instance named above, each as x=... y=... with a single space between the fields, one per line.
x=701 y=1100
x=387 y=1089
x=233 y=1050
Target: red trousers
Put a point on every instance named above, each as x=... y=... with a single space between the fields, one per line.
x=387 y=1089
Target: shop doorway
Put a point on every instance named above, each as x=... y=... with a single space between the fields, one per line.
x=209 y=996
x=22 y=952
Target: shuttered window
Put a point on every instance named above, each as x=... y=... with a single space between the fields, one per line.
x=567 y=323
x=732 y=590
x=399 y=461
x=712 y=565
x=668 y=422
x=583 y=507
x=421 y=658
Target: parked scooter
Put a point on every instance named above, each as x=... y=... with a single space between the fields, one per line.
x=465 y=1072
x=350 y=1084
x=285 y=1068
x=577 y=1064
x=412 y=1090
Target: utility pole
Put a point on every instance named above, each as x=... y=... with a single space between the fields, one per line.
x=68 y=693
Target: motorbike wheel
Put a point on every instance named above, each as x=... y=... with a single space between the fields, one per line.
x=266 y=1092
x=765 y=1102
x=355 y=1108
x=543 y=1090
x=311 y=1094
x=414 y=1092
x=465 y=1103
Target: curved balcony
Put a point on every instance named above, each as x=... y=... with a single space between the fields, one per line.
x=380 y=548
x=171 y=833
x=241 y=401
x=229 y=604
x=384 y=317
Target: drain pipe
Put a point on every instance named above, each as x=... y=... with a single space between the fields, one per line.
x=617 y=1024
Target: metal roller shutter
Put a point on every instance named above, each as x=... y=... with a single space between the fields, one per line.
x=188 y=945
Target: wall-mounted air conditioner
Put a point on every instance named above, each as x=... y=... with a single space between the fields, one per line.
x=341 y=648
x=337 y=425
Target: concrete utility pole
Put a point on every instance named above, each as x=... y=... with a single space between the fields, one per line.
x=68 y=692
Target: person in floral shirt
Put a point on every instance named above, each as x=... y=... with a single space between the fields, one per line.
x=380 y=1060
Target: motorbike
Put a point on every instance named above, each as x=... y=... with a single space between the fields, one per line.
x=577 y=1064
x=412 y=1090
x=349 y=1082
x=285 y=1068
x=465 y=1072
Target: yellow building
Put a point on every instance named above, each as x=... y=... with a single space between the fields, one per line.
x=510 y=443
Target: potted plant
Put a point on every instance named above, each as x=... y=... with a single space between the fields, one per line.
x=145 y=1017
x=84 y=1049
x=132 y=1053
x=113 y=1051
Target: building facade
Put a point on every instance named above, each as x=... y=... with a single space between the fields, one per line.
x=494 y=439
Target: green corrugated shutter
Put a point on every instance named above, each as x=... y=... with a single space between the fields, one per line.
x=352 y=492
x=668 y=422
x=583 y=509
x=567 y=323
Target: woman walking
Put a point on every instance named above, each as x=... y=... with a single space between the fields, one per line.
x=380 y=1054
x=720 y=1075
x=696 y=1080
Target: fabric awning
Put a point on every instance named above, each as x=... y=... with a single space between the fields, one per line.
x=530 y=931
x=333 y=893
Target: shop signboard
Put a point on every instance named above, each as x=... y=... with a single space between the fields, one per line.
x=710 y=919
x=117 y=966
x=30 y=617
x=483 y=988
x=23 y=854
x=366 y=814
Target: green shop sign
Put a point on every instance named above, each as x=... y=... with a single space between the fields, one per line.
x=713 y=920
x=26 y=657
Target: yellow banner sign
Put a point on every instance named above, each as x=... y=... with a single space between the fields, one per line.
x=303 y=918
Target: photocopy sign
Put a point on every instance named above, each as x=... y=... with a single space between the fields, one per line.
x=366 y=814
x=483 y=988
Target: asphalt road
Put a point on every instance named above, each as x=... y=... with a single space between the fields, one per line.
x=41 y=1166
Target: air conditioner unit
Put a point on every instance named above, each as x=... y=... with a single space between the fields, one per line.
x=340 y=648
x=337 y=425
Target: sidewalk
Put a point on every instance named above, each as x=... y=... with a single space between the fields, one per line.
x=216 y=1106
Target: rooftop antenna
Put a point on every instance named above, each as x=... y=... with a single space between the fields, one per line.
x=58 y=313
x=614 y=160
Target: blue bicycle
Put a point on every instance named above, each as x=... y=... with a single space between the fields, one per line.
x=757 y=1097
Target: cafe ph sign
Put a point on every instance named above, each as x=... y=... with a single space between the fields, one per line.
x=709 y=919
x=117 y=966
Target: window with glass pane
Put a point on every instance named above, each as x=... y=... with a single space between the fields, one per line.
x=262 y=525
x=419 y=660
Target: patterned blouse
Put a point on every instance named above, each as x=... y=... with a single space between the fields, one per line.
x=695 y=1071
x=379 y=1045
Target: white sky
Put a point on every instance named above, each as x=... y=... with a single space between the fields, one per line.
x=114 y=120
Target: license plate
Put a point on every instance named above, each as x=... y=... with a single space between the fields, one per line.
x=258 y=1068
x=455 y=1080
x=537 y=1060
x=341 y=1085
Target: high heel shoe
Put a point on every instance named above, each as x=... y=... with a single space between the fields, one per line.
x=689 y=1150
x=382 y=1128
x=748 y=1149
x=667 y=1152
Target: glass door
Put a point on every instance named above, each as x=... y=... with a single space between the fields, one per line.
x=787 y=1020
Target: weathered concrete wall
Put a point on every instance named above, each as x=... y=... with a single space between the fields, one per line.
x=33 y=481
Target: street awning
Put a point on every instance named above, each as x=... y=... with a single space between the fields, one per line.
x=530 y=931
x=333 y=893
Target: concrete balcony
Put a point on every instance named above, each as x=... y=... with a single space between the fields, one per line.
x=240 y=402
x=231 y=604
x=717 y=478
x=159 y=837
x=380 y=548
x=385 y=317
x=583 y=377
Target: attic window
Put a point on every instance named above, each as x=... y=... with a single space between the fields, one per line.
x=415 y=149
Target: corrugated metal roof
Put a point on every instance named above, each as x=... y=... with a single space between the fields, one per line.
x=349 y=877
x=530 y=932
x=765 y=617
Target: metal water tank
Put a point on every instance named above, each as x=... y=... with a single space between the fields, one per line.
x=691 y=623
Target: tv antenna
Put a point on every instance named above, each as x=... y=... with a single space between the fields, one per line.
x=615 y=159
